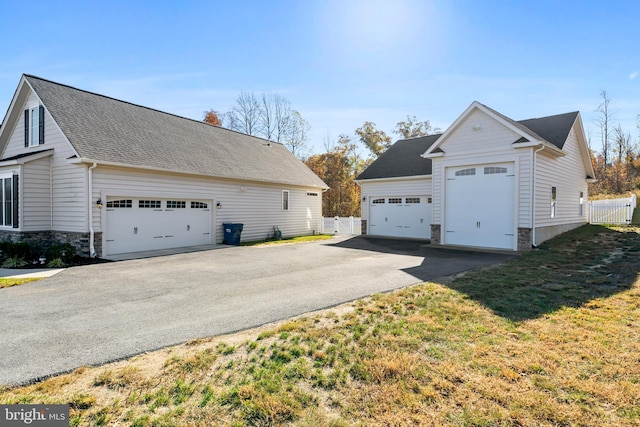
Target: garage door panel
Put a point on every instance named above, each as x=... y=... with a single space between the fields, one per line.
x=400 y=216
x=134 y=225
x=479 y=206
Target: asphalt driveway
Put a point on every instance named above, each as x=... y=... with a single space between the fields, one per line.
x=99 y=313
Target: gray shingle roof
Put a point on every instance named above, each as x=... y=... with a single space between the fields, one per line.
x=402 y=159
x=554 y=129
x=109 y=130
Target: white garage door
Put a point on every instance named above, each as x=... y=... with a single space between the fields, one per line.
x=135 y=225
x=400 y=216
x=479 y=206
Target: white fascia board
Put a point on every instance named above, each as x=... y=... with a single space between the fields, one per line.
x=395 y=178
x=78 y=161
x=432 y=155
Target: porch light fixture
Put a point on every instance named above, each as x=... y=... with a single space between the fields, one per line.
x=218 y=205
x=99 y=202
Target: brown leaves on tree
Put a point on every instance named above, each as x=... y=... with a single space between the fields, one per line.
x=212 y=117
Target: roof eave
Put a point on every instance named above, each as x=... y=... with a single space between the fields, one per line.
x=75 y=160
x=393 y=178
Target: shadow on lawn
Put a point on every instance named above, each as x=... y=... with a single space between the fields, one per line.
x=568 y=271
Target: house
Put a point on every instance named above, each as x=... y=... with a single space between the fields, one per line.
x=487 y=181
x=113 y=177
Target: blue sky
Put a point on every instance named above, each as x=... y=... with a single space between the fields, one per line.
x=338 y=62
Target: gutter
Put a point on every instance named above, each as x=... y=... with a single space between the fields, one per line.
x=92 y=249
x=533 y=196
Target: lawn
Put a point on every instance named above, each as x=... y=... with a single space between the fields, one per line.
x=551 y=338
x=6 y=282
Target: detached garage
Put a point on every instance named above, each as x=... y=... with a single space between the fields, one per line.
x=487 y=181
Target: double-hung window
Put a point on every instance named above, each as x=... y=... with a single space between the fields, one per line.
x=9 y=201
x=34 y=126
x=285 y=200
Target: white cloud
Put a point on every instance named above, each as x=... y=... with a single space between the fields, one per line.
x=633 y=75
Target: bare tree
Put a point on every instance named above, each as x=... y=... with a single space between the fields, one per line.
x=604 y=120
x=297 y=134
x=623 y=146
x=245 y=115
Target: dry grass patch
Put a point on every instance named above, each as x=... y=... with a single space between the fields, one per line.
x=494 y=347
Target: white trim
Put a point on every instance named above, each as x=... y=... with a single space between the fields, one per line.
x=395 y=178
x=27 y=159
x=288 y=207
x=76 y=160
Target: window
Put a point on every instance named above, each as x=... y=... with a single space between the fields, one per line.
x=378 y=201
x=581 y=204
x=199 y=205
x=285 y=200
x=490 y=170
x=153 y=204
x=119 y=203
x=395 y=200
x=34 y=126
x=309 y=193
x=412 y=200
x=553 y=202
x=429 y=200
x=466 y=172
x=176 y=204
x=9 y=201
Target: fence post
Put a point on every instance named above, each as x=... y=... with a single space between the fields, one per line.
x=321 y=225
x=351 y=226
x=336 y=225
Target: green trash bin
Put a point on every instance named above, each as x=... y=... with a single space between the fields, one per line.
x=232 y=233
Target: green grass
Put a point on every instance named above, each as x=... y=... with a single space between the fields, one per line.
x=299 y=239
x=550 y=338
x=6 y=282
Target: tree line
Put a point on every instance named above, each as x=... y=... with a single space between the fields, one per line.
x=271 y=116
x=617 y=164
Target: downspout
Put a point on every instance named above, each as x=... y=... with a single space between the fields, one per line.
x=92 y=249
x=533 y=197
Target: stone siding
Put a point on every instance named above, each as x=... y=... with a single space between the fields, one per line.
x=44 y=239
x=524 y=239
x=363 y=227
x=435 y=234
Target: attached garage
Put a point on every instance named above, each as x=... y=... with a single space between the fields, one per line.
x=479 y=206
x=400 y=216
x=140 y=224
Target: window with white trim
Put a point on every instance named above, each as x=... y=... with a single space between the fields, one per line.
x=395 y=200
x=410 y=200
x=285 y=200
x=34 y=126
x=152 y=204
x=119 y=203
x=553 y=202
x=466 y=172
x=199 y=205
x=9 y=201
x=581 y=204
x=312 y=194
x=491 y=170
x=176 y=204
x=378 y=201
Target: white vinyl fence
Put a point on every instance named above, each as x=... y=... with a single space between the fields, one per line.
x=349 y=226
x=612 y=211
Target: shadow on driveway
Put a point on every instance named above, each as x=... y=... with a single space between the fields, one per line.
x=437 y=262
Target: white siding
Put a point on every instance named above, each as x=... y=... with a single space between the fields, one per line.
x=404 y=187
x=568 y=175
x=35 y=198
x=490 y=137
x=69 y=181
x=257 y=206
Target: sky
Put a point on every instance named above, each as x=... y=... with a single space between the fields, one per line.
x=339 y=63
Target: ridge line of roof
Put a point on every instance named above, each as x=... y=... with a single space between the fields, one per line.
x=148 y=108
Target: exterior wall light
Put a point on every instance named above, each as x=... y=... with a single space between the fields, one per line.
x=218 y=205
